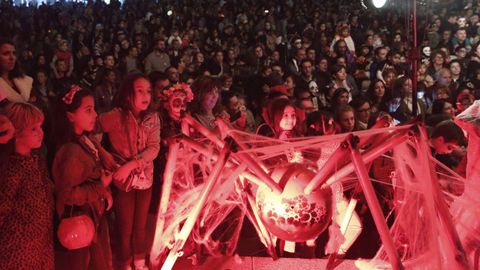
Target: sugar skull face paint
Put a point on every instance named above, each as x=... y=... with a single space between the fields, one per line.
x=176 y=104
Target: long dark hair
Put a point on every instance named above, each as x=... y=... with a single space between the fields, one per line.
x=398 y=85
x=336 y=68
x=126 y=93
x=336 y=95
x=200 y=87
x=382 y=104
x=276 y=114
x=63 y=128
x=17 y=71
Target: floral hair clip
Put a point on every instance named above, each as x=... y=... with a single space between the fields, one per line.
x=178 y=87
x=68 y=98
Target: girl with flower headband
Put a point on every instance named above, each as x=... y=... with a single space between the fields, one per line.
x=174 y=100
x=134 y=135
x=82 y=174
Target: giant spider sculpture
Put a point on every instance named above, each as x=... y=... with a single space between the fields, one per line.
x=212 y=182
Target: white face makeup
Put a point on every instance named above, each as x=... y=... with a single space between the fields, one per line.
x=427 y=51
x=176 y=104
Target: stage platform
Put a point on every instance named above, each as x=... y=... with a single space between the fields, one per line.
x=260 y=263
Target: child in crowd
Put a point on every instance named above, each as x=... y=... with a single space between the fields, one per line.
x=62 y=53
x=134 y=135
x=82 y=174
x=282 y=121
x=26 y=196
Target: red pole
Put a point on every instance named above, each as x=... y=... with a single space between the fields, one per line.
x=414 y=58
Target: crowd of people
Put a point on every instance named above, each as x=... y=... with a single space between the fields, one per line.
x=129 y=71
